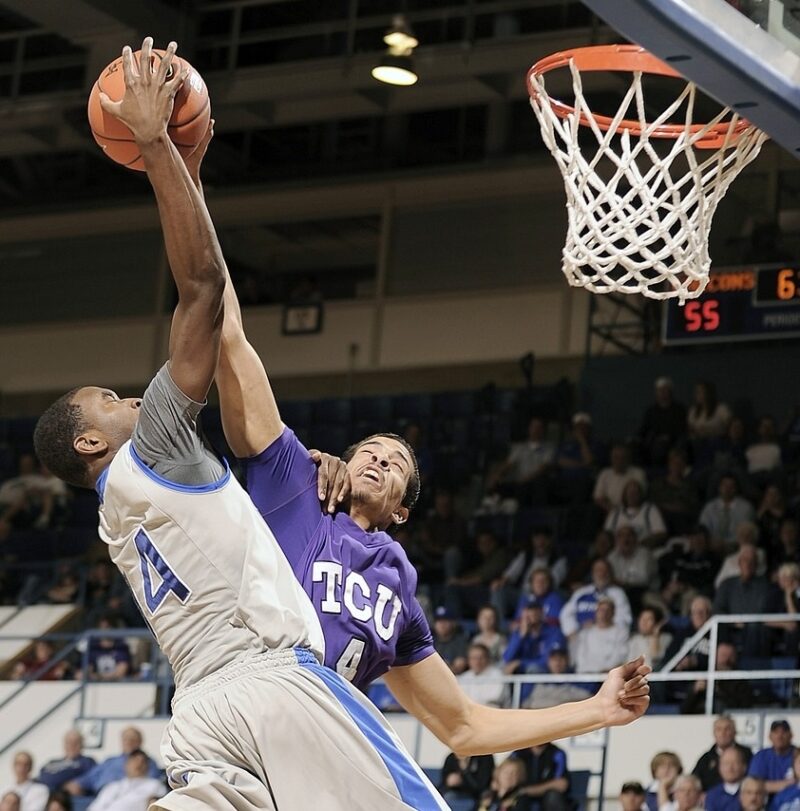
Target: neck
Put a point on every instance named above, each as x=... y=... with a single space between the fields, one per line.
x=98 y=466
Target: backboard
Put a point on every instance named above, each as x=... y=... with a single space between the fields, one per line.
x=743 y=53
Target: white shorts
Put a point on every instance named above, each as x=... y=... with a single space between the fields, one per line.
x=283 y=733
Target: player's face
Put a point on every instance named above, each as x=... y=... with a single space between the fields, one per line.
x=379 y=473
x=106 y=413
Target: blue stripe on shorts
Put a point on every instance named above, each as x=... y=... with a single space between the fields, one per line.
x=412 y=789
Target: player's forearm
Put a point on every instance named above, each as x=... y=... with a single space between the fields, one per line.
x=193 y=250
x=487 y=730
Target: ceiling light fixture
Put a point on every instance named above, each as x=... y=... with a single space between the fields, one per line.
x=397 y=65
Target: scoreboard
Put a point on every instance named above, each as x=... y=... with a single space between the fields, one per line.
x=739 y=304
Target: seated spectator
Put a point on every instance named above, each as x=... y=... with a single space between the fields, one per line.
x=649 y=640
x=504 y=795
x=787 y=548
x=687 y=795
x=65 y=589
x=441 y=540
x=665 y=768
x=633 y=566
x=546 y=777
x=465 y=594
x=540 y=586
x=449 y=640
x=59 y=801
x=688 y=570
x=753 y=795
x=602 y=645
x=707 y=767
x=56 y=772
x=483 y=682
x=631 y=797
x=707 y=417
x=675 y=494
x=789 y=798
x=32 y=795
x=513 y=583
x=488 y=635
x=32 y=498
x=774 y=764
x=554 y=693
x=747 y=594
x=726 y=453
x=580 y=570
x=788 y=580
x=764 y=455
x=697 y=657
x=32 y=666
x=109 y=657
x=579 y=611
x=732 y=770
x=729 y=694
x=771 y=513
x=135 y=791
x=578 y=456
x=10 y=801
x=523 y=476
x=111 y=769
x=528 y=646
x=466 y=778
x=722 y=515
x=611 y=481
x=643 y=517
x=746 y=535
x=663 y=424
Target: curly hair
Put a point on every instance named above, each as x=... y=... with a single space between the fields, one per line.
x=411 y=495
x=53 y=440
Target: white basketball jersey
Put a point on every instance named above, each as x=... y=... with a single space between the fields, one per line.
x=205 y=569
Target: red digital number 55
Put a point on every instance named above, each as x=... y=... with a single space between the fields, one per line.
x=701 y=315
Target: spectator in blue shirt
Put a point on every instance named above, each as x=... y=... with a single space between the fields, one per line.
x=56 y=772
x=112 y=768
x=774 y=764
x=530 y=644
x=109 y=657
x=789 y=798
x=732 y=770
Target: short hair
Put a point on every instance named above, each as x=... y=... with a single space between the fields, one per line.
x=412 y=490
x=481 y=647
x=665 y=757
x=137 y=753
x=692 y=779
x=54 y=437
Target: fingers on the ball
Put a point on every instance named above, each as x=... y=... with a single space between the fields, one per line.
x=145 y=63
x=108 y=105
x=166 y=61
x=128 y=71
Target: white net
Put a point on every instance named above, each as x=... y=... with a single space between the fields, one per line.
x=639 y=222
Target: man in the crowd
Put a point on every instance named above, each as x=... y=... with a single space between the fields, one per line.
x=707 y=767
x=58 y=771
x=449 y=640
x=753 y=795
x=688 y=792
x=773 y=764
x=631 y=797
x=134 y=792
x=789 y=798
x=547 y=776
x=32 y=796
x=732 y=770
x=580 y=610
x=483 y=682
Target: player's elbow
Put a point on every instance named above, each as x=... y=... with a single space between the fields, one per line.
x=462 y=735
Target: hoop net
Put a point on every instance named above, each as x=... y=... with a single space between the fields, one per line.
x=638 y=221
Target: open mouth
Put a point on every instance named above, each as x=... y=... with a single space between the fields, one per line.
x=371 y=474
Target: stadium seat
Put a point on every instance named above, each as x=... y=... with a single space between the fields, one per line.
x=578 y=788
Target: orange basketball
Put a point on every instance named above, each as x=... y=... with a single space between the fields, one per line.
x=187 y=125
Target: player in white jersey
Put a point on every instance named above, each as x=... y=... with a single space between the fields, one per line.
x=257 y=722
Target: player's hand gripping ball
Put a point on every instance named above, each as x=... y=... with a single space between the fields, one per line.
x=187 y=125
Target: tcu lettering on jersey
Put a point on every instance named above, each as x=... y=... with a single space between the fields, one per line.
x=356 y=596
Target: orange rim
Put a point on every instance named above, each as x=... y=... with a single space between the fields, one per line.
x=631 y=58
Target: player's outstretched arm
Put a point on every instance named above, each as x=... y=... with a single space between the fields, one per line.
x=194 y=254
x=430 y=692
x=250 y=417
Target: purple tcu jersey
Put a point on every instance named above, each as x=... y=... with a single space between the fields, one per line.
x=361 y=583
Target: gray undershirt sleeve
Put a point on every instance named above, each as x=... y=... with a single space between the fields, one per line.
x=167 y=439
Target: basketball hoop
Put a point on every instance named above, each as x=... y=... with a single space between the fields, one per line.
x=633 y=227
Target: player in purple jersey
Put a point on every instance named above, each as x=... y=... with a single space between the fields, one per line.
x=360 y=581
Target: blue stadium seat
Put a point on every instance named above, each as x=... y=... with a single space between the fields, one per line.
x=332 y=410
x=296 y=413
x=579 y=787
x=412 y=407
x=376 y=410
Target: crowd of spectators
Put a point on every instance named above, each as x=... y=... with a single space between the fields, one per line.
x=129 y=781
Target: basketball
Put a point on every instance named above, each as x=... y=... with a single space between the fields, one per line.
x=187 y=125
